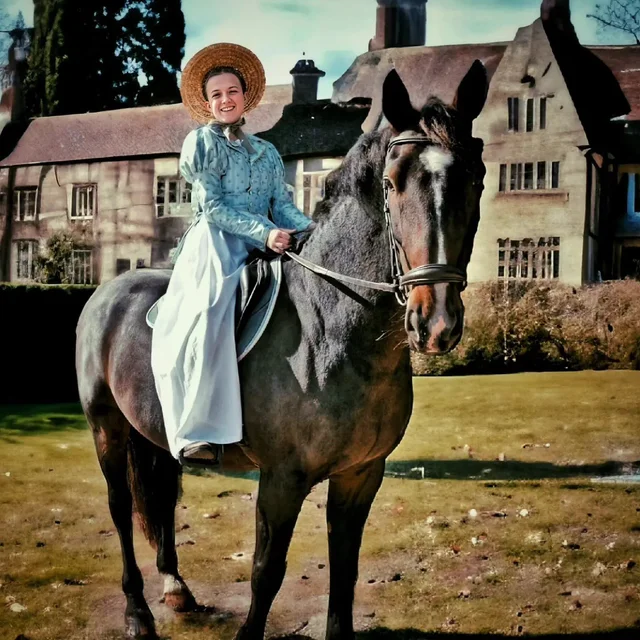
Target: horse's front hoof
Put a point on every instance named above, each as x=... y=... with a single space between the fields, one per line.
x=139 y=625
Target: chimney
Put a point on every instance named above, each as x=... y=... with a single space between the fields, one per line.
x=305 y=81
x=400 y=23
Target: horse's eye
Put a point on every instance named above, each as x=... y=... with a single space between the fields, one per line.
x=388 y=184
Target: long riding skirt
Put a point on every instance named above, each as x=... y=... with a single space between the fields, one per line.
x=193 y=354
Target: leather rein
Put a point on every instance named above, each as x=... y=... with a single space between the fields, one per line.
x=422 y=275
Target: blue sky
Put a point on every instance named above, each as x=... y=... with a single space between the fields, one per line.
x=334 y=32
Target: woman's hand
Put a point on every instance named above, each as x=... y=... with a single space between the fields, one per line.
x=279 y=240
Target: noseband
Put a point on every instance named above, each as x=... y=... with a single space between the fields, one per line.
x=422 y=275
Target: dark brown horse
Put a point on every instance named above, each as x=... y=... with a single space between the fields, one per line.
x=327 y=392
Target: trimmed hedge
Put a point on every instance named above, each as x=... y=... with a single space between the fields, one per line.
x=544 y=327
x=38 y=325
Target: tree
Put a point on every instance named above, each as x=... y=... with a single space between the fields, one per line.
x=54 y=266
x=104 y=54
x=620 y=15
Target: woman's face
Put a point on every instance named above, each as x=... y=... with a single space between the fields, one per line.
x=226 y=100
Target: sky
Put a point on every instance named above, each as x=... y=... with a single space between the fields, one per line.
x=334 y=32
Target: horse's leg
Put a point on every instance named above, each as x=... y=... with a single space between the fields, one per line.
x=348 y=505
x=155 y=476
x=111 y=432
x=280 y=497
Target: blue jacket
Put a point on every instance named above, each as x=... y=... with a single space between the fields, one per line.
x=235 y=190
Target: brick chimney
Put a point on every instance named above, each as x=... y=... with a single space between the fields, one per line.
x=400 y=23
x=305 y=81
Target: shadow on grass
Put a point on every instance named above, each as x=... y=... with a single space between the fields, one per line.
x=507 y=470
x=21 y=420
x=415 y=634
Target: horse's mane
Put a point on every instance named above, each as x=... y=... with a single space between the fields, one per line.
x=361 y=170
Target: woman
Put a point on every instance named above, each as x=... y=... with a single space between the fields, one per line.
x=237 y=180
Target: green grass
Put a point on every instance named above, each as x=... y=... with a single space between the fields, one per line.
x=565 y=565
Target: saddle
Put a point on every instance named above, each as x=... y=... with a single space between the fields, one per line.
x=255 y=300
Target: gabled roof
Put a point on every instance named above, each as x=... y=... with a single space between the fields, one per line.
x=135 y=132
x=321 y=129
x=624 y=61
x=426 y=71
x=596 y=93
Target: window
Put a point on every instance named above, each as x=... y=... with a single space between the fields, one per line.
x=529 y=175
x=84 y=202
x=514 y=183
x=81 y=266
x=555 y=175
x=171 y=193
x=529 y=260
x=513 y=105
x=24 y=203
x=529 y=114
x=26 y=252
x=542 y=176
x=122 y=265
x=535 y=113
x=502 y=186
x=310 y=180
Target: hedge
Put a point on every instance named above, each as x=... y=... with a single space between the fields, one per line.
x=543 y=327
x=38 y=323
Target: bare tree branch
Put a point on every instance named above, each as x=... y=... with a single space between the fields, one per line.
x=619 y=15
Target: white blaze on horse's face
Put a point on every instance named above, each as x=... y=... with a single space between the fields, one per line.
x=436 y=161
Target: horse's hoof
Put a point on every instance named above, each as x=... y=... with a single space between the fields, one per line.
x=181 y=602
x=139 y=625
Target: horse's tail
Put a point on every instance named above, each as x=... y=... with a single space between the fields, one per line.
x=154 y=479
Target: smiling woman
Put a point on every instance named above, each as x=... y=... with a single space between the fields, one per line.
x=242 y=204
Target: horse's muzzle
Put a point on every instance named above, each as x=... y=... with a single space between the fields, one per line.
x=434 y=319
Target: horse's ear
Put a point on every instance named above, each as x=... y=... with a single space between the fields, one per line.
x=396 y=105
x=472 y=92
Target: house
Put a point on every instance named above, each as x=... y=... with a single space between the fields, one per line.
x=561 y=131
x=560 y=146
x=112 y=179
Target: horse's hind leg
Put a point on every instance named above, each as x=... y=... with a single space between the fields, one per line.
x=348 y=504
x=155 y=479
x=111 y=432
x=280 y=497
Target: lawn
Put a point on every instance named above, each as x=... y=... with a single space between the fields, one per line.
x=509 y=508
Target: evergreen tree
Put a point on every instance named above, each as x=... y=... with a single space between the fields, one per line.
x=104 y=54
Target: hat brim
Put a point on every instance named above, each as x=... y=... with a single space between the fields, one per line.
x=222 y=54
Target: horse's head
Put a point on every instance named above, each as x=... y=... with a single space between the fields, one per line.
x=433 y=183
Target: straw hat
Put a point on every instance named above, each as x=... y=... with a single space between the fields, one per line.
x=223 y=54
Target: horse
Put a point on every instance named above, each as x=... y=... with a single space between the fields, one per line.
x=327 y=391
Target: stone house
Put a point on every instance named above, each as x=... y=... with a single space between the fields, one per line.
x=112 y=178
x=562 y=149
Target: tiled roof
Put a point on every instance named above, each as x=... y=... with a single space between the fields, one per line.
x=135 y=132
x=426 y=71
x=323 y=129
x=624 y=61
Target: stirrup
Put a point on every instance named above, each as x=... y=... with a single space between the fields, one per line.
x=189 y=454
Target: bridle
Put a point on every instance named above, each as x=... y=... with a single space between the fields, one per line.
x=424 y=274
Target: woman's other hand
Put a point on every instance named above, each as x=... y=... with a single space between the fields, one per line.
x=279 y=240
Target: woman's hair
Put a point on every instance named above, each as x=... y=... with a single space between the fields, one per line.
x=218 y=71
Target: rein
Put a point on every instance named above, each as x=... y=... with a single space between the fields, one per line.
x=422 y=275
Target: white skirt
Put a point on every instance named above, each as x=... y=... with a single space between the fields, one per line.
x=193 y=353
